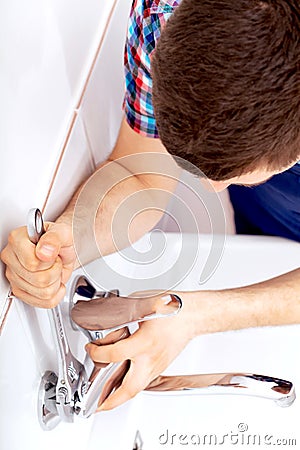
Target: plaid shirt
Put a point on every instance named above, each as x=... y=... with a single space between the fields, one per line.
x=146 y=20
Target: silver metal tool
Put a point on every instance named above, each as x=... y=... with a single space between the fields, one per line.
x=35 y=225
x=59 y=394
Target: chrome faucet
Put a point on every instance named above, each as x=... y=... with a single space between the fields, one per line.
x=105 y=318
x=107 y=310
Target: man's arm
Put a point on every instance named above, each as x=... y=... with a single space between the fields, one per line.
x=155 y=345
x=124 y=198
x=116 y=204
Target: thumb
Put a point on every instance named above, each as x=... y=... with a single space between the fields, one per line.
x=55 y=237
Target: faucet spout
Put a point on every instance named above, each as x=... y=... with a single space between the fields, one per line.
x=281 y=391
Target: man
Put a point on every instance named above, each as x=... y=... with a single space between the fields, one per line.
x=226 y=84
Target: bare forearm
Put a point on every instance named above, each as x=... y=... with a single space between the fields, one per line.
x=269 y=303
x=124 y=198
x=112 y=209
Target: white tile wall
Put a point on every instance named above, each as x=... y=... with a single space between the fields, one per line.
x=35 y=110
x=102 y=105
x=81 y=27
x=75 y=166
x=47 y=50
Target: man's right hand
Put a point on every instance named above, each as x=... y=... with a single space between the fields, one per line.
x=38 y=273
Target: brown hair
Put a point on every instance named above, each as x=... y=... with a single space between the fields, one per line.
x=226 y=85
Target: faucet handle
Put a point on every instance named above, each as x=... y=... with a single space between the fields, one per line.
x=105 y=317
x=99 y=315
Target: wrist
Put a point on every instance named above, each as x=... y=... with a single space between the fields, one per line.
x=208 y=312
x=79 y=227
x=65 y=218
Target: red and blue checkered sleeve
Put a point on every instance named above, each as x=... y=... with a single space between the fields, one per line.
x=139 y=45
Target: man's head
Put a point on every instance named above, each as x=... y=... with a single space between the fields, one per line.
x=226 y=86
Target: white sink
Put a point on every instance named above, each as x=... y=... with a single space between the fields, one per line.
x=270 y=351
x=162 y=261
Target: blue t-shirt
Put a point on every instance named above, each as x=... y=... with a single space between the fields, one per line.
x=272 y=208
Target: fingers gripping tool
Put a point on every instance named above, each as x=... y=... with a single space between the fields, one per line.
x=61 y=394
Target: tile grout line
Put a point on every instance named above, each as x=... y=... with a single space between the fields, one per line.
x=62 y=152
x=5 y=310
x=93 y=63
x=79 y=103
x=75 y=113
